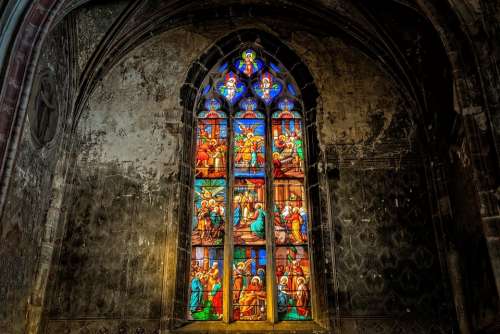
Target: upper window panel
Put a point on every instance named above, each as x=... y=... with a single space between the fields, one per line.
x=249 y=147
x=211 y=148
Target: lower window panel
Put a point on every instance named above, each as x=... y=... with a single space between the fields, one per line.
x=293 y=283
x=205 y=290
x=249 y=283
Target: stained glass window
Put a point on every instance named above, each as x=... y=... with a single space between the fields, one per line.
x=250 y=202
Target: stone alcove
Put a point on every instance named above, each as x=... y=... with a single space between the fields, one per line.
x=405 y=164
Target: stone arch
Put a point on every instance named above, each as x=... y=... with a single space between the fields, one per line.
x=38 y=21
x=190 y=92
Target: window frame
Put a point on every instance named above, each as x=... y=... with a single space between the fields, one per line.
x=268 y=110
x=177 y=290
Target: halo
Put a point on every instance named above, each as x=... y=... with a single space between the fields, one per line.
x=231 y=75
x=249 y=52
x=256 y=278
x=267 y=76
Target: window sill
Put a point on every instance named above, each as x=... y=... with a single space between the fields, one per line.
x=251 y=327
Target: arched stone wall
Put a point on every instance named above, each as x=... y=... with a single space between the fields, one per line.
x=470 y=138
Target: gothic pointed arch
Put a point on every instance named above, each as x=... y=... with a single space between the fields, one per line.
x=249 y=110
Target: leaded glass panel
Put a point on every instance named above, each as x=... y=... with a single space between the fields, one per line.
x=251 y=108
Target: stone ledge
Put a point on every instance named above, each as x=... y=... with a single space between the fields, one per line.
x=207 y=327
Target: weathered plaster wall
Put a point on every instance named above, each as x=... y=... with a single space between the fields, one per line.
x=386 y=259
x=92 y=23
x=358 y=100
x=124 y=189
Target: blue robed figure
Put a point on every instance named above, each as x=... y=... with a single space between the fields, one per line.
x=196 y=294
x=283 y=297
x=258 y=225
x=237 y=215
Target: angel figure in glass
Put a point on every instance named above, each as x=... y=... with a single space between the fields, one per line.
x=248 y=64
x=232 y=89
x=249 y=147
x=267 y=88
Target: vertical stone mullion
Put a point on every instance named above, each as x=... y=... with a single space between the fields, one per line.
x=272 y=313
x=228 y=236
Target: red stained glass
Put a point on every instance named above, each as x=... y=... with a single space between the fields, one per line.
x=293 y=276
x=249 y=147
x=211 y=148
x=288 y=148
x=290 y=212
x=249 y=283
x=235 y=104
x=209 y=212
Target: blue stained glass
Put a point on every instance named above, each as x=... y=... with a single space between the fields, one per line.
x=249 y=109
x=249 y=114
x=293 y=274
x=275 y=67
x=267 y=88
x=249 y=64
x=212 y=107
x=209 y=212
x=223 y=67
x=212 y=104
x=232 y=89
x=285 y=107
x=249 y=215
x=206 y=290
x=248 y=104
x=249 y=283
x=206 y=89
x=244 y=81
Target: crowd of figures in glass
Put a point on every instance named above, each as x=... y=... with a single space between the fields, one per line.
x=288 y=152
x=290 y=213
x=210 y=212
x=211 y=148
x=249 y=215
x=249 y=147
x=292 y=277
x=249 y=283
x=249 y=107
x=205 y=301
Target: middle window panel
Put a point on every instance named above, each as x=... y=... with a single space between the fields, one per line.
x=249 y=212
